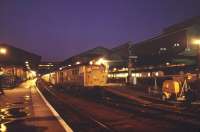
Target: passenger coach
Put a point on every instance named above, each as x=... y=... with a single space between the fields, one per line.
x=79 y=75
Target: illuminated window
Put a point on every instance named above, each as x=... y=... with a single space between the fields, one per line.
x=114 y=69
x=176 y=45
x=149 y=74
x=163 y=49
x=78 y=62
x=157 y=74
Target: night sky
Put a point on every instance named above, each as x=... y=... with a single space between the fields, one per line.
x=58 y=29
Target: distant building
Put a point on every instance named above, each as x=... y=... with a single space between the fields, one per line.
x=46 y=66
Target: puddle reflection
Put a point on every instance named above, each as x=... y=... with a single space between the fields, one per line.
x=21 y=126
x=27 y=98
x=3 y=128
x=10 y=114
x=13 y=112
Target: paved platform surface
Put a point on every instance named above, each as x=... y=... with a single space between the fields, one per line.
x=23 y=109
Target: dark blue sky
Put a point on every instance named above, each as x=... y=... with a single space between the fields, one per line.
x=58 y=29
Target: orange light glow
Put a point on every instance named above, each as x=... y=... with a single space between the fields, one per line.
x=196 y=41
x=3 y=51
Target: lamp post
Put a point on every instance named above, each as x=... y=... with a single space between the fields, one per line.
x=129 y=65
x=3 y=52
x=131 y=59
x=197 y=42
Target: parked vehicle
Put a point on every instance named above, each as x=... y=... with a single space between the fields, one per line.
x=171 y=89
x=175 y=89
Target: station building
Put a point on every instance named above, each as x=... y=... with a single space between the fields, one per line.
x=17 y=64
x=86 y=57
x=174 y=51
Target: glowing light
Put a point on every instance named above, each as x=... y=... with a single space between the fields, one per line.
x=114 y=69
x=163 y=49
x=196 y=41
x=3 y=128
x=176 y=45
x=78 y=62
x=156 y=73
x=3 y=110
x=3 y=51
x=123 y=69
x=149 y=74
x=122 y=75
x=31 y=74
x=69 y=65
x=101 y=61
x=48 y=65
x=60 y=68
x=133 y=75
x=26 y=62
x=1 y=72
x=91 y=62
x=27 y=97
x=34 y=73
x=138 y=75
x=189 y=76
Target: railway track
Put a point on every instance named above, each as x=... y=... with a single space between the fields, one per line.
x=115 y=102
x=151 y=109
x=85 y=121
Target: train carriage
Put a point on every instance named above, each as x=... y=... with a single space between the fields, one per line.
x=80 y=75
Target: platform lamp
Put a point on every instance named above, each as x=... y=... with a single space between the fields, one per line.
x=3 y=51
x=197 y=42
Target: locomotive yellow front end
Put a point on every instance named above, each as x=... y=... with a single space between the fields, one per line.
x=95 y=75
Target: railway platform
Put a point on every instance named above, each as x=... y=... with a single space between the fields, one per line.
x=24 y=108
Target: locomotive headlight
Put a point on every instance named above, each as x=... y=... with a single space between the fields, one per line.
x=104 y=62
x=101 y=61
